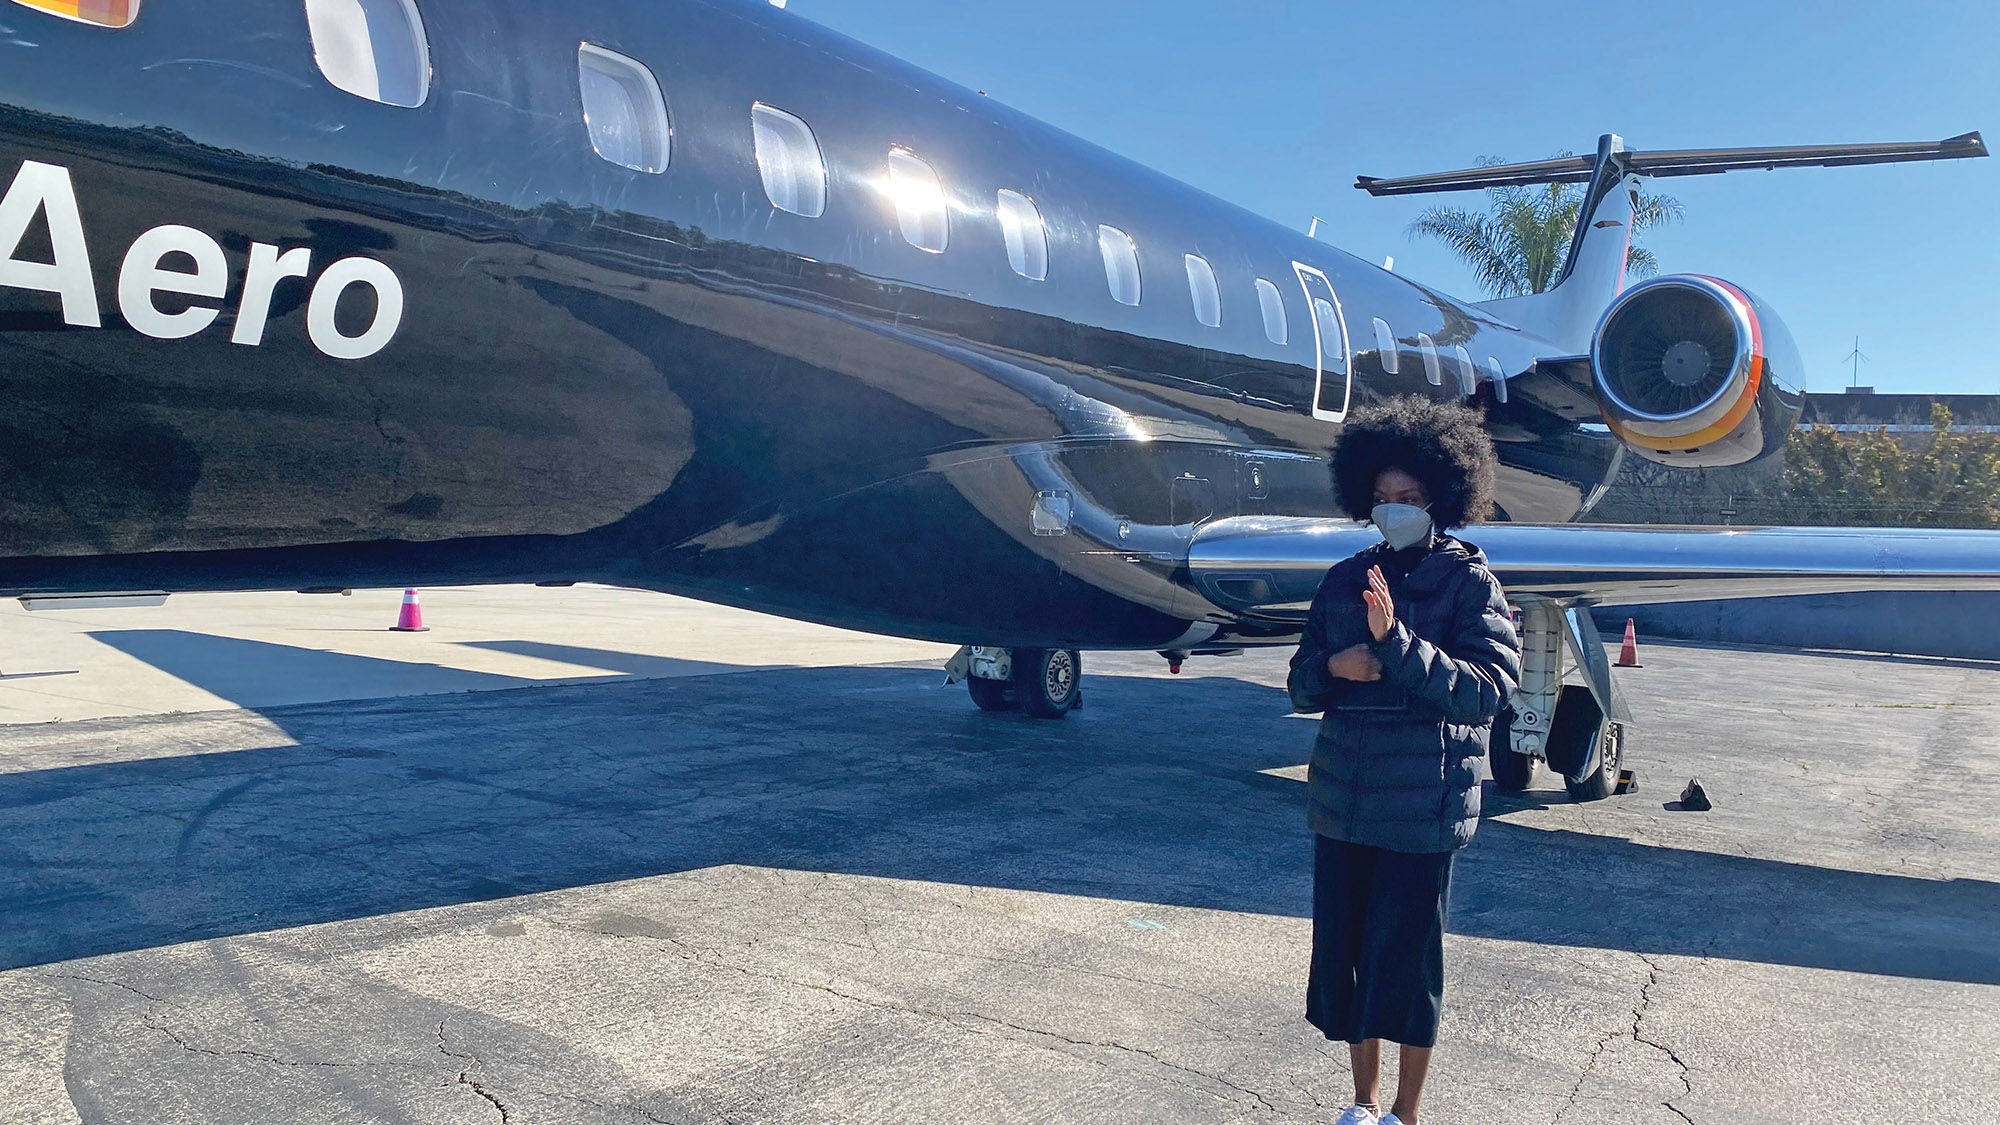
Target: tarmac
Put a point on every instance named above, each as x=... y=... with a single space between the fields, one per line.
x=590 y=855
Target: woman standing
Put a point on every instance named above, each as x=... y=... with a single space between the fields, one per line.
x=1410 y=652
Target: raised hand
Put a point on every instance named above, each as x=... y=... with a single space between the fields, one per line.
x=1381 y=607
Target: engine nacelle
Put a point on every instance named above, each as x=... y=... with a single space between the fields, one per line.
x=1695 y=371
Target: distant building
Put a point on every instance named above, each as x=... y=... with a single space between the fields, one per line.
x=1860 y=408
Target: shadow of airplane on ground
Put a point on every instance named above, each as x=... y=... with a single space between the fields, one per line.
x=240 y=670
x=244 y=671
x=406 y=803
x=623 y=663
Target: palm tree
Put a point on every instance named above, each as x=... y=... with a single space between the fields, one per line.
x=1518 y=245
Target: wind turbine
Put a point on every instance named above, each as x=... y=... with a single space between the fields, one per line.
x=1856 y=358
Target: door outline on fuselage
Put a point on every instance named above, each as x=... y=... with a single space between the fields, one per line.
x=1317 y=287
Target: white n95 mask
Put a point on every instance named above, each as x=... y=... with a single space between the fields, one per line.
x=1403 y=525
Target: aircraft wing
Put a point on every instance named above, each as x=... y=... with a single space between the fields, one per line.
x=1270 y=566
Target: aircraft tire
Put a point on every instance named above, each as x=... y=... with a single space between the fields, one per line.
x=992 y=695
x=1048 y=681
x=1604 y=779
x=1512 y=773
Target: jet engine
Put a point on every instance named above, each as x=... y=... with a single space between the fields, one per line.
x=1695 y=371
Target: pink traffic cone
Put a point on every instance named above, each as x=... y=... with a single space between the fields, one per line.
x=411 y=620
x=1628 y=653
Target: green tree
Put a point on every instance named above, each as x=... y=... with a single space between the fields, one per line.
x=1828 y=477
x=1876 y=478
x=1517 y=246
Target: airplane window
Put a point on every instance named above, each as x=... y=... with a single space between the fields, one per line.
x=373 y=49
x=1121 y=264
x=1468 y=376
x=1385 y=347
x=1494 y=372
x=1331 y=344
x=103 y=13
x=1433 y=370
x=920 y=207
x=788 y=159
x=1273 y=306
x=1027 y=238
x=1201 y=284
x=623 y=109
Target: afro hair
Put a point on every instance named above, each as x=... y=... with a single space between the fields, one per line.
x=1442 y=444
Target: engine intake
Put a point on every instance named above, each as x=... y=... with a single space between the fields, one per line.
x=1695 y=371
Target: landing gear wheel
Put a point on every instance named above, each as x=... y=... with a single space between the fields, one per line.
x=1512 y=772
x=991 y=695
x=1048 y=681
x=1603 y=781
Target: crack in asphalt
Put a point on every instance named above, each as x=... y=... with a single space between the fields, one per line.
x=875 y=945
x=163 y=1028
x=978 y=1026
x=159 y=1024
x=1639 y=1017
x=466 y=1080
x=1637 y=1034
x=1589 y=1064
x=108 y=983
x=977 y=1023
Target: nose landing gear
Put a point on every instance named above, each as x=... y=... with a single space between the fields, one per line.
x=1044 y=682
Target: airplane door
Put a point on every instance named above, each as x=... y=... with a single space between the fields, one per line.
x=1332 y=387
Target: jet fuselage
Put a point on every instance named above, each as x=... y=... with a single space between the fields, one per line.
x=660 y=379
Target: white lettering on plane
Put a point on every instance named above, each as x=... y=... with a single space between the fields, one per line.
x=46 y=189
x=142 y=275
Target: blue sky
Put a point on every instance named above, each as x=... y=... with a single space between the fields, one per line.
x=1277 y=106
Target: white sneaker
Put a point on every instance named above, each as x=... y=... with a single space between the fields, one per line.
x=1389 y=1119
x=1357 y=1115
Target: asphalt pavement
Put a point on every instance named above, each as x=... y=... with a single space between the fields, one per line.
x=699 y=866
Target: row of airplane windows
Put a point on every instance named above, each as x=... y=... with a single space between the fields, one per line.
x=377 y=49
x=628 y=126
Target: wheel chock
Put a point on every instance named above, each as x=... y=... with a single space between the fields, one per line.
x=1694 y=798
x=1628 y=782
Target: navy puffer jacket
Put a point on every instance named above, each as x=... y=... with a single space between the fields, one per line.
x=1396 y=763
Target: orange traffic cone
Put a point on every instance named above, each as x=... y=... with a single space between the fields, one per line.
x=411 y=620
x=1628 y=653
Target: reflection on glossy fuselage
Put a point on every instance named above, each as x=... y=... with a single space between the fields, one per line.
x=661 y=380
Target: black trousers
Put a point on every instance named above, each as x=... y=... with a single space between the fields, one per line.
x=1378 y=942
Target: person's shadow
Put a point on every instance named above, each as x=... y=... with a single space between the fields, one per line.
x=1154 y=793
